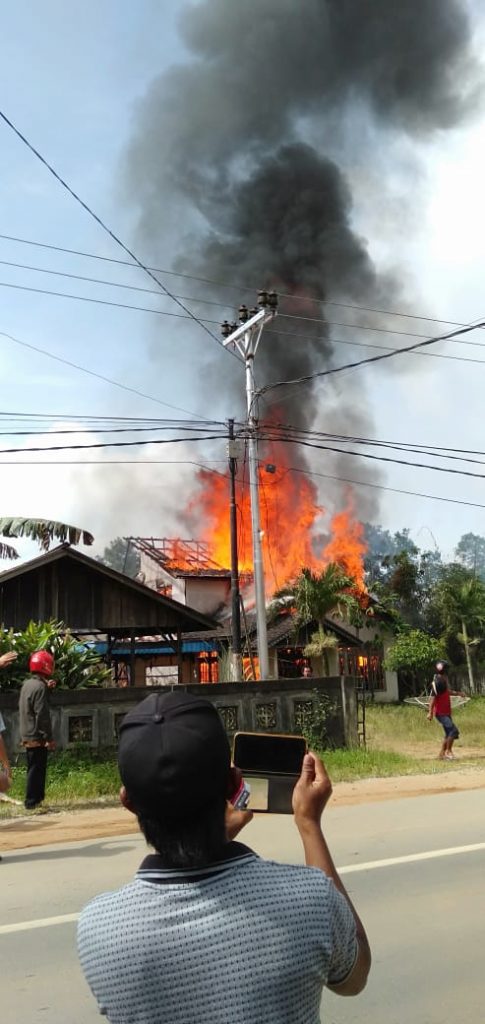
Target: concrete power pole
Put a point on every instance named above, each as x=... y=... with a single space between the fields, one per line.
x=236 y=655
x=245 y=337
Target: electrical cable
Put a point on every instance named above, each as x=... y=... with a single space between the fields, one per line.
x=307 y=444
x=99 y=376
x=371 y=359
x=363 y=327
x=107 y=302
x=282 y=334
x=109 y=284
x=240 y=480
x=383 y=348
x=224 y=305
x=104 y=430
x=110 y=444
x=319 y=300
x=107 y=229
x=394 y=446
x=375 y=458
x=382 y=487
x=267 y=532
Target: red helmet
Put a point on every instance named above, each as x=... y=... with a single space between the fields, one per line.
x=42 y=663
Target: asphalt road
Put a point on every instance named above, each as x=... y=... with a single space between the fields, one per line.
x=414 y=868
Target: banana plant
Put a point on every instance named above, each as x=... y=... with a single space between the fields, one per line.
x=44 y=531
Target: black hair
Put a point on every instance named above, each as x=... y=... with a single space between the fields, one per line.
x=189 y=842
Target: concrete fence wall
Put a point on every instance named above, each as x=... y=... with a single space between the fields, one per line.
x=93 y=716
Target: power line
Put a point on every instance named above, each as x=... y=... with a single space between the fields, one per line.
x=224 y=305
x=107 y=430
x=210 y=462
x=364 y=327
x=207 y=320
x=90 y=418
x=98 y=376
x=105 y=302
x=107 y=229
x=281 y=334
x=382 y=487
x=384 y=348
x=455 y=454
x=111 y=444
x=318 y=300
x=370 y=359
x=107 y=283
x=375 y=458
x=216 y=437
x=358 y=439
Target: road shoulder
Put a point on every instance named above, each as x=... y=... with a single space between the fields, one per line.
x=98 y=822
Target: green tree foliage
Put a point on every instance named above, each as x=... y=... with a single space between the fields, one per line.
x=382 y=547
x=316 y=596
x=76 y=666
x=461 y=599
x=414 y=653
x=44 y=531
x=401 y=576
x=122 y=556
x=470 y=552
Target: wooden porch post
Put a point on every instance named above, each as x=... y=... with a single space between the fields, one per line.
x=132 y=658
x=179 y=658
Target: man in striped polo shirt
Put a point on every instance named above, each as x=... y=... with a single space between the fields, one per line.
x=207 y=932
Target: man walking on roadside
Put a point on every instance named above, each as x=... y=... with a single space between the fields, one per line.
x=207 y=931
x=440 y=708
x=35 y=724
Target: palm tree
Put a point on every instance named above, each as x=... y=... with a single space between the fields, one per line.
x=42 y=530
x=463 y=606
x=315 y=597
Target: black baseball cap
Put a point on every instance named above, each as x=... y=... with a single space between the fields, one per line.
x=173 y=754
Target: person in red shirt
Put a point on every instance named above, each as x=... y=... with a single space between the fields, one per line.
x=440 y=708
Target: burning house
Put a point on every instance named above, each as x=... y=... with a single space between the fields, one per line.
x=186 y=571
x=251 y=162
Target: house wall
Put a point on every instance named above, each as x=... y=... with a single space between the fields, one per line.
x=92 y=716
x=369 y=634
x=203 y=593
x=207 y=595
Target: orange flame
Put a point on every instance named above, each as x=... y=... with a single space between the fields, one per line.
x=291 y=520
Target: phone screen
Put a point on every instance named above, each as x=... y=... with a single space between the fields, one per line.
x=269 y=754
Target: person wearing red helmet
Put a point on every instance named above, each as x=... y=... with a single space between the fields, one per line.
x=36 y=725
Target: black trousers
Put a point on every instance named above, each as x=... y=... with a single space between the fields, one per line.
x=36 y=773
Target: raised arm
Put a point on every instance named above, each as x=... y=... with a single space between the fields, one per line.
x=310 y=797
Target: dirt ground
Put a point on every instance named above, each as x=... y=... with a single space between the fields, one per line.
x=97 y=822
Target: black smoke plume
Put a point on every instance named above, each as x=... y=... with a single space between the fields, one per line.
x=235 y=163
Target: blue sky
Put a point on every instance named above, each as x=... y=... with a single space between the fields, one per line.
x=70 y=78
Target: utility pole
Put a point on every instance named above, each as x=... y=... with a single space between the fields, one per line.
x=245 y=337
x=236 y=666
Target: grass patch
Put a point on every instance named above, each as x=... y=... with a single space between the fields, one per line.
x=400 y=741
x=349 y=765
x=73 y=777
x=401 y=727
